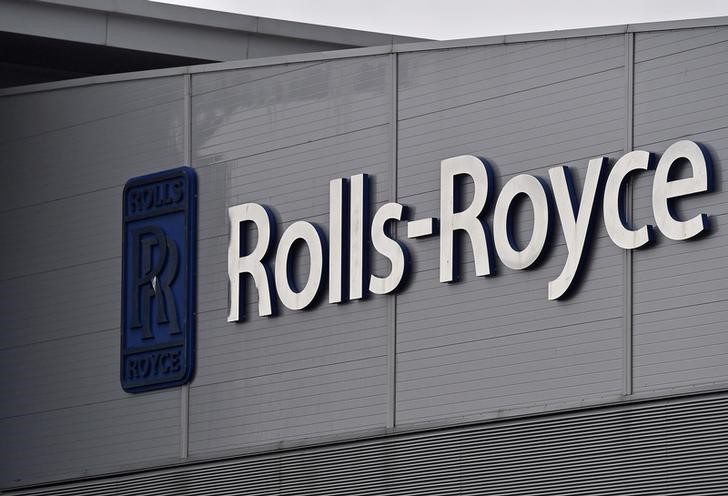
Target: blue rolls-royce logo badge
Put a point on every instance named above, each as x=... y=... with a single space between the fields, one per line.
x=158 y=280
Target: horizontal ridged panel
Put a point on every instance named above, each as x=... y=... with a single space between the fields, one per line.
x=680 y=94
x=680 y=288
x=221 y=80
x=66 y=155
x=50 y=306
x=62 y=234
x=486 y=346
x=289 y=405
x=437 y=80
x=675 y=448
x=658 y=44
x=277 y=136
x=57 y=144
x=75 y=379
x=286 y=108
x=524 y=132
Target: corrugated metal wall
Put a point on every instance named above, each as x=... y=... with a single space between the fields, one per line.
x=65 y=157
x=497 y=343
x=276 y=136
x=681 y=289
x=437 y=354
x=668 y=448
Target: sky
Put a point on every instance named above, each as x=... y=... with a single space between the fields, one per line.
x=453 y=19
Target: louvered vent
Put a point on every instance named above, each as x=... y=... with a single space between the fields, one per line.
x=659 y=448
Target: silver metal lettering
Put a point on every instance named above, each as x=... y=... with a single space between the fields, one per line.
x=466 y=220
x=664 y=189
x=253 y=262
x=359 y=218
x=337 y=229
x=420 y=228
x=314 y=240
x=615 y=215
x=390 y=248
x=503 y=237
x=576 y=218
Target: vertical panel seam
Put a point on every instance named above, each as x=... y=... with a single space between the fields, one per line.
x=629 y=194
x=185 y=389
x=392 y=304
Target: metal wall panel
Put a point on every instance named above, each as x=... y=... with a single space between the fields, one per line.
x=680 y=288
x=59 y=144
x=277 y=136
x=66 y=156
x=475 y=349
x=61 y=233
x=46 y=308
x=487 y=346
x=93 y=438
x=668 y=447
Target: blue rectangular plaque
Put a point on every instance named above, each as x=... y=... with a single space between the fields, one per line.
x=158 y=280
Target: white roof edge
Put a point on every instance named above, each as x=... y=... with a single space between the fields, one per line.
x=369 y=51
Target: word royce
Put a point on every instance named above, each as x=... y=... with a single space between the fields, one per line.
x=350 y=231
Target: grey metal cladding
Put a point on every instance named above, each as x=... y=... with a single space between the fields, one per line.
x=91 y=438
x=41 y=131
x=680 y=289
x=66 y=155
x=74 y=380
x=58 y=309
x=480 y=348
x=277 y=136
x=62 y=233
x=488 y=345
x=227 y=79
x=667 y=447
x=183 y=39
x=308 y=102
x=481 y=73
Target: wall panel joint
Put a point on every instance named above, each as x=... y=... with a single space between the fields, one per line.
x=392 y=303
x=629 y=193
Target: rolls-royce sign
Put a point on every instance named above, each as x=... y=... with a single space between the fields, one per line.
x=350 y=230
x=158 y=290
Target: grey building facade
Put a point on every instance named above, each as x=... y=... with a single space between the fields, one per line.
x=483 y=386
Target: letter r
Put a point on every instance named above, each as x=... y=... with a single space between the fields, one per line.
x=252 y=263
